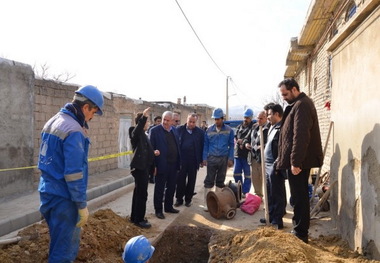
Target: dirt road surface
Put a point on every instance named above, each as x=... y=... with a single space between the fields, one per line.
x=193 y=235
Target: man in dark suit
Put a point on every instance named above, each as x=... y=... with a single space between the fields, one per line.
x=165 y=142
x=191 y=140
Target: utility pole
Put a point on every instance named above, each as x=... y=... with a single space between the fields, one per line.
x=227 y=97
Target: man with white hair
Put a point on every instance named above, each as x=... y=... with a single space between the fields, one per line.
x=165 y=142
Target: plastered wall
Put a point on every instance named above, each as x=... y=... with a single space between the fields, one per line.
x=16 y=122
x=356 y=154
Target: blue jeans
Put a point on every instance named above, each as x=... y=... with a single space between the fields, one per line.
x=241 y=165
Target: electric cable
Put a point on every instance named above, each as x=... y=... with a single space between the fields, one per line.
x=238 y=90
x=200 y=41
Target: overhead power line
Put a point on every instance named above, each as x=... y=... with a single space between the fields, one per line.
x=200 y=41
x=238 y=90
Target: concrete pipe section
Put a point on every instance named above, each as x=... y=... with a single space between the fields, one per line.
x=222 y=203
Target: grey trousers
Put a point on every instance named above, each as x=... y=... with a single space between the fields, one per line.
x=257 y=178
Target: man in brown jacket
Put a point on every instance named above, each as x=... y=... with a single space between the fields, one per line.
x=300 y=149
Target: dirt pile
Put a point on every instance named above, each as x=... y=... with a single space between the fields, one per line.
x=104 y=237
x=269 y=245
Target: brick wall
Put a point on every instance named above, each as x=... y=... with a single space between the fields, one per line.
x=314 y=80
x=51 y=96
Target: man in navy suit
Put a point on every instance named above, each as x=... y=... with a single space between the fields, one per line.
x=191 y=140
x=165 y=142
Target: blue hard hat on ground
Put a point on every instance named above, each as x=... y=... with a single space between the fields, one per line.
x=248 y=113
x=92 y=93
x=217 y=113
x=137 y=250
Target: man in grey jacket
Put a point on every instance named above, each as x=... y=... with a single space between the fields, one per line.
x=300 y=149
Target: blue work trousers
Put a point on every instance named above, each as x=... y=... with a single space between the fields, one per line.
x=241 y=165
x=61 y=215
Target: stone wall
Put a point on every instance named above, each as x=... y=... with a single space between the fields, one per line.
x=50 y=97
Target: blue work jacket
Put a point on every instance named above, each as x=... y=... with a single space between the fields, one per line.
x=63 y=158
x=219 y=143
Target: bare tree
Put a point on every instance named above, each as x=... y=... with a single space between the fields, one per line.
x=63 y=77
x=275 y=98
x=43 y=73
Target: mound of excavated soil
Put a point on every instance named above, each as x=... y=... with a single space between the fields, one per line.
x=104 y=237
x=269 y=245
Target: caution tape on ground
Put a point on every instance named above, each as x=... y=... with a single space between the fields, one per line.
x=110 y=156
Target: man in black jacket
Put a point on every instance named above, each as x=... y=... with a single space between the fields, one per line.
x=191 y=140
x=141 y=165
x=275 y=179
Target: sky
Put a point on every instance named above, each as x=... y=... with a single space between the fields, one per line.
x=146 y=48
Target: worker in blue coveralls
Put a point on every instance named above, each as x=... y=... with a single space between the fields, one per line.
x=241 y=153
x=218 y=153
x=64 y=172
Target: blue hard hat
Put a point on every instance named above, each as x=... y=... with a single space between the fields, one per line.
x=137 y=250
x=217 y=113
x=248 y=113
x=92 y=93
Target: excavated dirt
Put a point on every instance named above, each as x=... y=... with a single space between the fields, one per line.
x=103 y=239
x=106 y=233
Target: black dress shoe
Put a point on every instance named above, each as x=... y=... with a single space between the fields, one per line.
x=178 y=203
x=305 y=239
x=160 y=215
x=172 y=211
x=143 y=224
x=188 y=204
x=263 y=221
